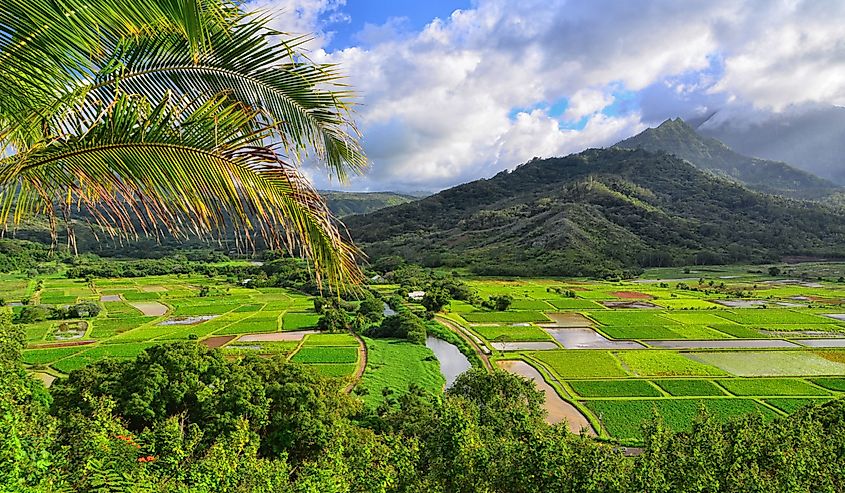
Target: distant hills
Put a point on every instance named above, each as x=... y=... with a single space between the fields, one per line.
x=811 y=139
x=678 y=138
x=347 y=203
x=603 y=211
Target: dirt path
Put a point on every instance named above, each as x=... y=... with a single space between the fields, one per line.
x=454 y=327
x=362 y=360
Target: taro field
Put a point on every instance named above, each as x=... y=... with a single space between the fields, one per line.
x=724 y=341
x=141 y=312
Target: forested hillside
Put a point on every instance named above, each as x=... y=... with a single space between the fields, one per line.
x=347 y=203
x=600 y=212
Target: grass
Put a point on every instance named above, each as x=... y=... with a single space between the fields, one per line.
x=654 y=363
x=689 y=387
x=769 y=387
x=581 y=363
x=614 y=388
x=505 y=317
x=623 y=419
x=326 y=354
x=508 y=333
x=394 y=365
x=770 y=363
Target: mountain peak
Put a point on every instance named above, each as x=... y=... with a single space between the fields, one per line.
x=675 y=136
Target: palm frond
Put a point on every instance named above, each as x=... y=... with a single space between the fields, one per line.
x=141 y=167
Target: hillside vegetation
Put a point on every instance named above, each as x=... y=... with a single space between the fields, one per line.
x=599 y=212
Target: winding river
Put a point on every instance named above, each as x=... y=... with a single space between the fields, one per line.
x=452 y=361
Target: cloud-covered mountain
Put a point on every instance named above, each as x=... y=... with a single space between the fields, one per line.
x=812 y=139
x=677 y=137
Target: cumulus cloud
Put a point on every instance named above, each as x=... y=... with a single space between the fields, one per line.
x=471 y=94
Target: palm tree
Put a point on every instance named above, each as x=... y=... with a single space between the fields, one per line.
x=176 y=116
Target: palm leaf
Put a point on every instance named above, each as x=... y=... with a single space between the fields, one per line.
x=142 y=168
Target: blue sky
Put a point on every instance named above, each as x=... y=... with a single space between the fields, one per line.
x=452 y=91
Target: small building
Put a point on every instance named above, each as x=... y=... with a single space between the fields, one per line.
x=416 y=295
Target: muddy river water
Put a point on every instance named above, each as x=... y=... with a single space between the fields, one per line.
x=558 y=409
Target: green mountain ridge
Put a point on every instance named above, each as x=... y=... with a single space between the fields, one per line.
x=598 y=212
x=347 y=203
x=678 y=138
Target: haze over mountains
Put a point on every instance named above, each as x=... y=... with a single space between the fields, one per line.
x=811 y=139
x=678 y=138
x=607 y=210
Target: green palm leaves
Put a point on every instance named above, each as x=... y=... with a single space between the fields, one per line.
x=185 y=116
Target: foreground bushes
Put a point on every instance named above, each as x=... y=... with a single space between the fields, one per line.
x=183 y=418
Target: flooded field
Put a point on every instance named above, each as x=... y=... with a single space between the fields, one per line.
x=189 y=320
x=520 y=346
x=218 y=341
x=569 y=319
x=725 y=344
x=110 y=297
x=558 y=409
x=586 y=338
x=277 y=336
x=150 y=308
x=823 y=342
x=452 y=361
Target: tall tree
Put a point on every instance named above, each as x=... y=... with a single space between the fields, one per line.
x=177 y=116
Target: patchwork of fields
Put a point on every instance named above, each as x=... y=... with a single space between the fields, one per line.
x=618 y=351
x=628 y=350
x=141 y=312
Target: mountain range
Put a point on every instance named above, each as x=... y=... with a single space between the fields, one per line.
x=665 y=197
x=678 y=138
x=347 y=203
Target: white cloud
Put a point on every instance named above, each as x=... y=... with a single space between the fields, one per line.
x=586 y=102
x=300 y=17
x=440 y=106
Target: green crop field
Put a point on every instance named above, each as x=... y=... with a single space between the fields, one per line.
x=614 y=388
x=835 y=384
x=297 y=321
x=505 y=317
x=624 y=419
x=652 y=363
x=640 y=332
x=394 y=365
x=626 y=317
x=330 y=340
x=790 y=405
x=770 y=363
x=769 y=316
x=581 y=363
x=529 y=304
x=690 y=387
x=326 y=354
x=769 y=387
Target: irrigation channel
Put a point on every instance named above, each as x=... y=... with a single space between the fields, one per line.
x=452 y=361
